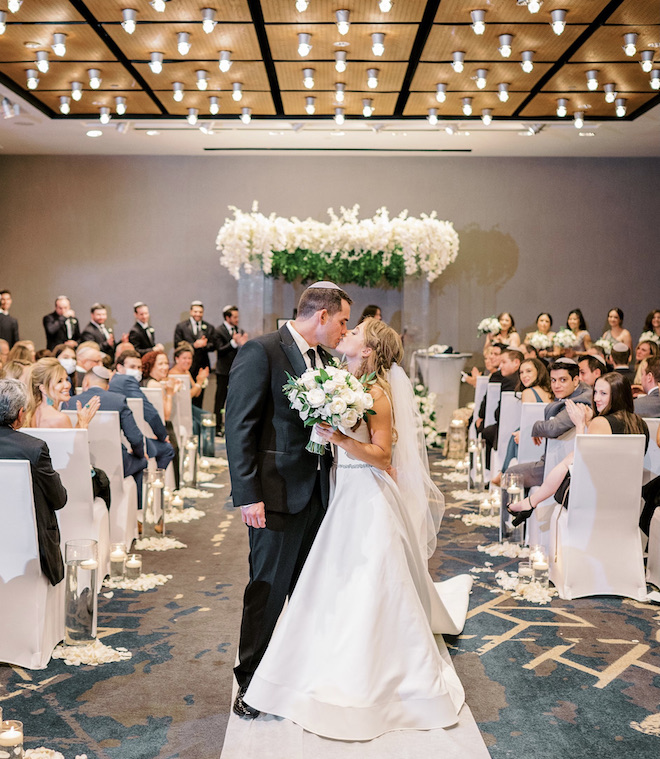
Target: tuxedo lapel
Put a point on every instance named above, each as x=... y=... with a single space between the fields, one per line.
x=292 y=353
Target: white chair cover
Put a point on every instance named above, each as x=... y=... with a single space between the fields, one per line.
x=155 y=396
x=510 y=408
x=529 y=415
x=652 y=457
x=479 y=393
x=653 y=561
x=493 y=393
x=182 y=418
x=84 y=517
x=596 y=547
x=32 y=609
x=105 y=452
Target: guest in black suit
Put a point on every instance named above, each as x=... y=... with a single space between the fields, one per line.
x=281 y=489
x=142 y=335
x=621 y=360
x=61 y=325
x=200 y=334
x=648 y=405
x=509 y=369
x=229 y=337
x=97 y=331
x=8 y=325
x=49 y=493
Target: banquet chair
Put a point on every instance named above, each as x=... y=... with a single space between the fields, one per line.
x=105 y=452
x=155 y=396
x=479 y=393
x=182 y=418
x=652 y=457
x=530 y=414
x=84 y=517
x=509 y=422
x=595 y=543
x=493 y=394
x=651 y=471
x=32 y=609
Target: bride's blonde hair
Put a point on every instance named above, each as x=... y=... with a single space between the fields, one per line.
x=386 y=349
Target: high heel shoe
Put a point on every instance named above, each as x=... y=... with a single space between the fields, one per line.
x=523 y=515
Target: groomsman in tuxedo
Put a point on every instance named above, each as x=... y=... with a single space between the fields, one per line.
x=142 y=334
x=228 y=339
x=97 y=331
x=8 y=325
x=200 y=335
x=61 y=325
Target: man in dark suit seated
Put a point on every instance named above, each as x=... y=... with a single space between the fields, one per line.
x=8 y=325
x=61 y=325
x=96 y=382
x=509 y=369
x=229 y=337
x=87 y=356
x=142 y=335
x=126 y=382
x=97 y=331
x=49 y=493
x=200 y=335
x=649 y=405
x=621 y=361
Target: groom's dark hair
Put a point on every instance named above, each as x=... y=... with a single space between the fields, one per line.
x=317 y=298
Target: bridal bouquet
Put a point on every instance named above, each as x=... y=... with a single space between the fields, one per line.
x=489 y=326
x=539 y=341
x=565 y=338
x=329 y=394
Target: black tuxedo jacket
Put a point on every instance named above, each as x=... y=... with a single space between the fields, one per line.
x=143 y=340
x=55 y=327
x=9 y=329
x=49 y=495
x=92 y=332
x=266 y=439
x=184 y=331
x=226 y=351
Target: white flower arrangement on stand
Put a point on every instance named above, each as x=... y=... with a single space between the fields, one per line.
x=347 y=249
x=565 y=338
x=426 y=406
x=539 y=341
x=489 y=326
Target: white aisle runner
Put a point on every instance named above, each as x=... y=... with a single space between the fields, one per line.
x=269 y=737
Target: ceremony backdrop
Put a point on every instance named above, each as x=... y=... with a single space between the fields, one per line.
x=535 y=234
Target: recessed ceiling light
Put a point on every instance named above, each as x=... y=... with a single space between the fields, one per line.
x=152 y=132
x=94 y=133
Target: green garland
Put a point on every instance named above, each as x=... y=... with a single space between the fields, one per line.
x=365 y=270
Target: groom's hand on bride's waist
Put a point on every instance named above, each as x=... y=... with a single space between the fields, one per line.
x=254 y=514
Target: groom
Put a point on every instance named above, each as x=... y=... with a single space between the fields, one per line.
x=281 y=489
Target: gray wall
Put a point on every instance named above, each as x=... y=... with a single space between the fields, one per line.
x=536 y=234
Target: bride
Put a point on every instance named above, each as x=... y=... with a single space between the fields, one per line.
x=354 y=653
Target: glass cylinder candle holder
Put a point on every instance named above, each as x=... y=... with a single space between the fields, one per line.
x=456 y=439
x=177 y=502
x=80 y=610
x=485 y=508
x=153 y=511
x=133 y=566
x=477 y=473
x=539 y=564
x=189 y=462
x=511 y=491
x=117 y=561
x=524 y=571
x=11 y=739
x=207 y=436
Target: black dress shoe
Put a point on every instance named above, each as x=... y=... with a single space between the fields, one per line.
x=243 y=709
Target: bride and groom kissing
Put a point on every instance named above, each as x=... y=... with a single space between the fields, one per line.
x=345 y=542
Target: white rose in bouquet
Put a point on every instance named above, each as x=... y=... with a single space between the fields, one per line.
x=539 y=341
x=605 y=344
x=649 y=337
x=489 y=326
x=338 y=406
x=316 y=397
x=565 y=338
x=350 y=418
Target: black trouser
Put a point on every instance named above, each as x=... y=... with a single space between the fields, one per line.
x=651 y=496
x=222 y=382
x=277 y=554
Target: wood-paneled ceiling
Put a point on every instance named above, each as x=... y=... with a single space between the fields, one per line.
x=420 y=40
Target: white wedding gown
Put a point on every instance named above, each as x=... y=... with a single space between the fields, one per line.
x=354 y=653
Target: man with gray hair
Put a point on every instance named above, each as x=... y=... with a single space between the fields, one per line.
x=49 y=493
x=88 y=355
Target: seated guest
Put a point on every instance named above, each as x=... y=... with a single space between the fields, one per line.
x=8 y=325
x=544 y=327
x=142 y=335
x=61 y=326
x=48 y=492
x=529 y=351
x=566 y=385
x=123 y=346
x=372 y=311
x=126 y=382
x=509 y=369
x=649 y=405
x=578 y=326
x=19 y=370
x=95 y=385
x=651 y=498
x=48 y=389
x=155 y=370
x=620 y=359
x=645 y=349
x=507 y=334
x=87 y=356
x=23 y=350
x=201 y=335
x=497 y=351
x=615 y=332
x=4 y=351
x=43 y=353
x=492 y=358
x=597 y=350
x=591 y=368
x=610 y=414
x=97 y=330
x=66 y=355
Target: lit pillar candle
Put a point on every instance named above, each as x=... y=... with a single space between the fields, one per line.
x=177 y=502
x=11 y=736
x=133 y=566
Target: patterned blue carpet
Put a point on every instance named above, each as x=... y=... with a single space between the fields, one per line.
x=572 y=679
